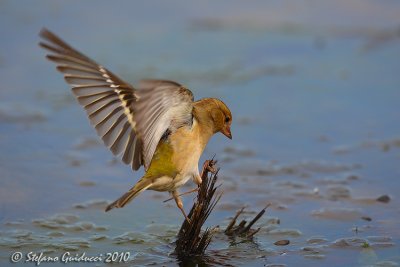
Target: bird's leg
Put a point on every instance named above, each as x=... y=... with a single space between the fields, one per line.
x=189 y=192
x=185 y=193
x=179 y=204
x=208 y=166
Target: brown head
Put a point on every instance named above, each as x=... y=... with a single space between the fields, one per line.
x=214 y=112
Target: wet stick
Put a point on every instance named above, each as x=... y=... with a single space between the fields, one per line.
x=190 y=241
x=242 y=229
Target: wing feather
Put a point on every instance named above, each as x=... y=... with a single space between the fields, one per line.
x=107 y=99
x=163 y=105
x=121 y=142
x=128 y=151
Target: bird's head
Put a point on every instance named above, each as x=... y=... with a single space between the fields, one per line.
x=214 y=114
x=221 y=117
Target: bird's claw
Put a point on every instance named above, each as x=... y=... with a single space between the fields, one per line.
x=212 y=169
x=209 y=165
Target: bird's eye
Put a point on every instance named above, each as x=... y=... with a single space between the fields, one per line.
x=227 y=119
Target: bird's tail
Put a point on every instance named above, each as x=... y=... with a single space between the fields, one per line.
x=131 y=194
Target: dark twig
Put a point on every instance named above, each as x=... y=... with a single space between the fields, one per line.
x=190 y=241
x=242 y=230
x=233 y=221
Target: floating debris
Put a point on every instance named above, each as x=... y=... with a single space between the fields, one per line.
x=283 y=242
x=383 y=199
x=366 y=218
x=242 y=229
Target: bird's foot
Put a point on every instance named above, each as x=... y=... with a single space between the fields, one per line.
x=209 y=165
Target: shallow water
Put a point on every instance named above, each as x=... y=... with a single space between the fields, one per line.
x=314 y=90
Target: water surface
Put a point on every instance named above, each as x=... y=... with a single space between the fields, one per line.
x=314 y=90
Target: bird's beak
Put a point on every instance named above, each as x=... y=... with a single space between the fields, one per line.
x=227 y=131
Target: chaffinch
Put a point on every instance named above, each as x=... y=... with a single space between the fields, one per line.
x=157 y=125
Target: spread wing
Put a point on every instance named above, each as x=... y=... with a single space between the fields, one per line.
x=163 y=107
x=130 y=122
x=107 y=99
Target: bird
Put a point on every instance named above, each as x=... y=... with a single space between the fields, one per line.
x=157 y=125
